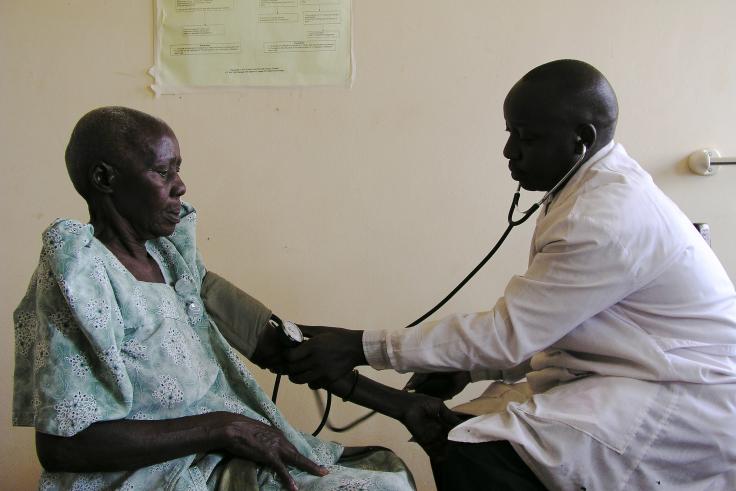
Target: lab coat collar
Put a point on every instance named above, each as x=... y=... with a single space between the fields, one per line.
x=572 y=184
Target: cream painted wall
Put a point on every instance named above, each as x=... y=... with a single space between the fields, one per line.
x=358 y=207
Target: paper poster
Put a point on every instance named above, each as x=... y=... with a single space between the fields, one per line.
x=206 y=44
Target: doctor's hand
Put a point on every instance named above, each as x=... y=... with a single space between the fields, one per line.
x=328 y=354
x=444 y=385
x=429 y=421
x=270 y=351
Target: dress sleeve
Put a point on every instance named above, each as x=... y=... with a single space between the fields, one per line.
x=71 y=329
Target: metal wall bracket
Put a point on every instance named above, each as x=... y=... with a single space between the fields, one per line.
x=704 y=161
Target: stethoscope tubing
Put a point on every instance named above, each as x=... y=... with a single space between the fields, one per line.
x=511 y=224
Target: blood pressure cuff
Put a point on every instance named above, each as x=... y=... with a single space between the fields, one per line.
x=240 y=318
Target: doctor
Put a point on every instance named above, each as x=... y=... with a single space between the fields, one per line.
x=624 y=324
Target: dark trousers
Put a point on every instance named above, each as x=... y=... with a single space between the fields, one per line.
x=492 y=466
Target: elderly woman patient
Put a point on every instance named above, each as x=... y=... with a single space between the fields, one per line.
x=124 y=363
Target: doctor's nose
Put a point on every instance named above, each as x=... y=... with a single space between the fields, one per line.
x=510 y=150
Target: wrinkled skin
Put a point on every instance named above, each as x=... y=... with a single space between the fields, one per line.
x=264 y=444
x=143 y=443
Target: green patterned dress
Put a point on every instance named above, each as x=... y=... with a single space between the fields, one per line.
x=95 y=344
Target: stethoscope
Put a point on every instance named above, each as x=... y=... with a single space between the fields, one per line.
x=325 y=408
x=512 y=223
x=525 y=215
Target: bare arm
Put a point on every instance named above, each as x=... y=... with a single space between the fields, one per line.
x=326 y=360
x=128 y=444
x=427 y=418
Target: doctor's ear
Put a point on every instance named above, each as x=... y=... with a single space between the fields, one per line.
x=101 y=176
x=586 y=136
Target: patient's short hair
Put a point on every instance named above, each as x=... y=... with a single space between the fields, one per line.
x=113 y=135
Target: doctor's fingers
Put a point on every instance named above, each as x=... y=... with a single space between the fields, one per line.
x=311 y=331
x=311 y=377
x=279 y=369
x=304 y=365
x=321 y=375
x=306 y=350
x=323 y=370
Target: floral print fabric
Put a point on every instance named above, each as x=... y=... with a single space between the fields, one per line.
x=95 y=344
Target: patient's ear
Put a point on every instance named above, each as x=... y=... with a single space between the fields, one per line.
x=101 y=176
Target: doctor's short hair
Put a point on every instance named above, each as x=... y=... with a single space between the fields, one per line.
x=579 y=87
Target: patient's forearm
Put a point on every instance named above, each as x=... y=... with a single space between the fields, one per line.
x=373 y=395
x=128 y=444
x=427 y=418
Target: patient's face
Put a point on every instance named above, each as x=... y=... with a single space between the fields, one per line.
x=148 y=190
x=541 y=144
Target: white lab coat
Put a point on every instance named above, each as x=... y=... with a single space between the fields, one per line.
x=624 y=326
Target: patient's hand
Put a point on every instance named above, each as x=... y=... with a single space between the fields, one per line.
x=327 y=356
x=267 y=445
x=444 y=385
x=429 y=421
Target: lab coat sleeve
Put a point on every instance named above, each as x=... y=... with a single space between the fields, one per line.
x=580 y=269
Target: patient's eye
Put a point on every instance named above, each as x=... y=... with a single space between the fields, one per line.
x=162 y=171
